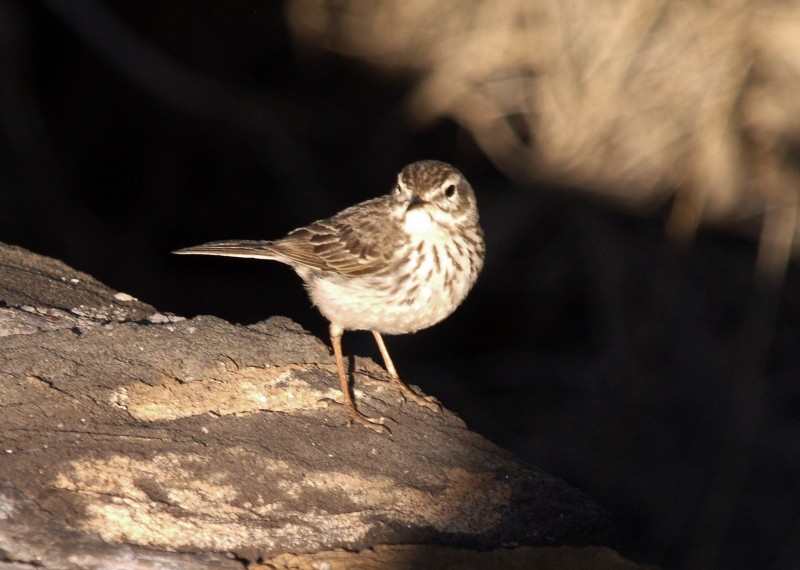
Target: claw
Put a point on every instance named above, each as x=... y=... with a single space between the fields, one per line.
x=425 y=401
x=405 y=391
x=377 y=425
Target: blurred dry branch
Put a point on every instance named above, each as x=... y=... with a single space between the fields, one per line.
x=637 y=101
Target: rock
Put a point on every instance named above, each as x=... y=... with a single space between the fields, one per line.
x=137 y=439
x=404 y=557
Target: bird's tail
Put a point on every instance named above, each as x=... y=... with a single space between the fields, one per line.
x=234 y=248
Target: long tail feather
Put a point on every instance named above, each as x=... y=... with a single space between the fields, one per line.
x=234 y=248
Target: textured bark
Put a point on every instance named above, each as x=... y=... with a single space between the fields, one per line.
x=136 y=439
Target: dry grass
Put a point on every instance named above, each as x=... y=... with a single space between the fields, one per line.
x=641 y=102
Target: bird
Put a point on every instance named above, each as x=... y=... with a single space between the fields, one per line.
x=395 y=264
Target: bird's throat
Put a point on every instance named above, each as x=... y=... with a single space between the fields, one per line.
x=418 y=222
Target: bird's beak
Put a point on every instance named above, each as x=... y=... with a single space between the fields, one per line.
x=416 y=202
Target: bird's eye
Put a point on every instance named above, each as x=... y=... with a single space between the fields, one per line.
x=450 y=191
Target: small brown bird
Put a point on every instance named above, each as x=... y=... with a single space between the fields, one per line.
x=395 y=264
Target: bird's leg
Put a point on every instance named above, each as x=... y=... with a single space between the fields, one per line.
x=353 y=415
x=404 y=390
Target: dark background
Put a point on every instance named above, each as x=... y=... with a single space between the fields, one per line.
x=659 y=378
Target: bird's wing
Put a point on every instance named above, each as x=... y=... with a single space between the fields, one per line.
x=360 y=240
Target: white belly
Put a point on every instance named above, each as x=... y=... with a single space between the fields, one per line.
x=379 y=303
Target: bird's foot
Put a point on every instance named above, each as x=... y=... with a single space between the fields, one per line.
x=377 y=425
x=409 y=394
